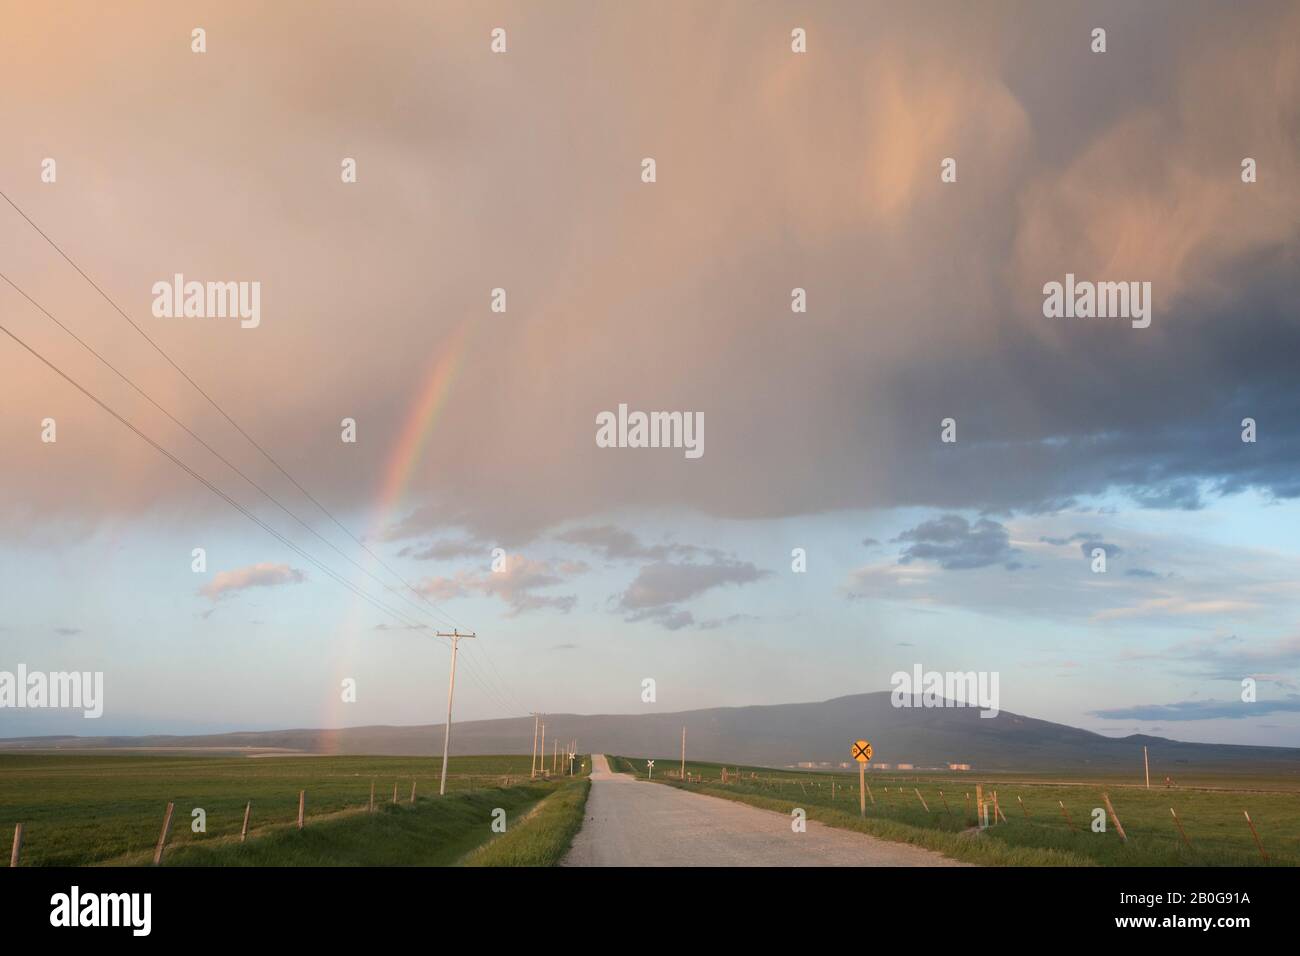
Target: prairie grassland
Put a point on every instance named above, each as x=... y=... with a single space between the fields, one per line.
x=85 y=809
x=1036 y=832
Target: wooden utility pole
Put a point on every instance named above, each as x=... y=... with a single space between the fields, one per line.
x=683 y=754
x=542 y=764
x=532 y=773
x=455 y=636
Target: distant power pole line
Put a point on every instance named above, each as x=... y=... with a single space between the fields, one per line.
x=455 y=636
x=532 y=773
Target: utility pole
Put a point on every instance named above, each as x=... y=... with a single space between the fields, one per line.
x=532 y=772
x=683 y=755
x=555 y=756
x=542 y=765
x=1147 y=766
x=455 y=636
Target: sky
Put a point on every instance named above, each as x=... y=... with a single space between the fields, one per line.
x=476 y=429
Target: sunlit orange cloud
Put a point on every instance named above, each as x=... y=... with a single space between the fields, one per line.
x=522 y=172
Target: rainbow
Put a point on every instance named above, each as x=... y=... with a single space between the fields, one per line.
x=420 y=422
x=400 y=467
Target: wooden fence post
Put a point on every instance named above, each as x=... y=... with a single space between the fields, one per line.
x=302 y=808
x=18 y=845
x=1181 y=833
x=922 y=799
x=946 y=808
x=1255 y=835
x=162 y=837
x=1114 y=816
x=372 y=796
x=1022 y=806
x=243 y=834
x=394 y=793
x=1065 y=813
x=412 y=792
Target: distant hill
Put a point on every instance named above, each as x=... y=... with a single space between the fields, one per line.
x=772 y=735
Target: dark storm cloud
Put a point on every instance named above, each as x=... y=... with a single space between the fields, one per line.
x=924 y=299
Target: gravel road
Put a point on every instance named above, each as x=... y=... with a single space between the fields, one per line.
x=638 y=823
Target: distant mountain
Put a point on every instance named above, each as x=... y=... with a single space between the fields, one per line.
x=771 y=735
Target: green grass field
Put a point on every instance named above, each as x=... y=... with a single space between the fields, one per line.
x=1035 y=832
x=85 y=809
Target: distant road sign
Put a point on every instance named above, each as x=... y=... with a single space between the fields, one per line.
x=861 y=751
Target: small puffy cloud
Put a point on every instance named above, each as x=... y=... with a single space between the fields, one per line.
x=517 y=585
x=1087 y=541
x=446 y=549
x=261 y=575
x=955 y=544
x=669 y=583
x=658 y=589
x=619 y=544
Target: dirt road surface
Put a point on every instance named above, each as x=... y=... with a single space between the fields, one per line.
x=639 y=823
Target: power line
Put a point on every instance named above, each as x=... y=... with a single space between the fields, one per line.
x=216 y=405
x=407 y=622
x=220 y=457
x=213 y=488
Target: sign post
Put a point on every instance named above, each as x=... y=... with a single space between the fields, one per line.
x=862 y=753
x=650 y=767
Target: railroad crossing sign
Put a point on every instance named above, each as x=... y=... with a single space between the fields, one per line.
x=862 y=753
x=650 y=765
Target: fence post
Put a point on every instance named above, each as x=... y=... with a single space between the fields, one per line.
x=1114 y=816
x=1065 y=813
x=1181 y=833
x=302 y=808
x=1255 y=835
x=372 y=796
x=18 y=845
x=162 y=837
x=412 y=791
x=243 y=834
